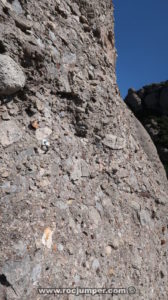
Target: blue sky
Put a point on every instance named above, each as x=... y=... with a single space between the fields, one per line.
x=141 y=33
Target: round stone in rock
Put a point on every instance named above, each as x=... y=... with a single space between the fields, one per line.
x=94 y=217
x=12 y=78
x=115 y=244
x=60 y=247
x=95 y=264
x=108 y=250
x=111 y=272
x=43 y=133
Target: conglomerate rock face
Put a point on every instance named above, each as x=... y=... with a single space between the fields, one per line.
x=150 y=106
x=83 y=192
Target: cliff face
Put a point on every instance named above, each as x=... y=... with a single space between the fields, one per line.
x=83 y=192
x=150 y=105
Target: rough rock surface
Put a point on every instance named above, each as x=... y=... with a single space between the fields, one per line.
x=12 y=78
x=82 y=201
x=150 y=106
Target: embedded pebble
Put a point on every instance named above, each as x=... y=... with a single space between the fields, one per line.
x=9 y=133
x=43 y=133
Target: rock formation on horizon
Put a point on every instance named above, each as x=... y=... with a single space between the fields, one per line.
x=84 y=195
x=150 y=106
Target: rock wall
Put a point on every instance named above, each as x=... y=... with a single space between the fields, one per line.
x=150 y=106
x=82 y=201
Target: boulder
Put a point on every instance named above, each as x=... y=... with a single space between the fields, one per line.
x=133 y=101
x=12 y=78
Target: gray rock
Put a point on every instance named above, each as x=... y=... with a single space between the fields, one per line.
x=135 y=205
x=43 y=133
x=108 y=250
x=114 y=142
x=20 y=247
x=114 y=243
x=9 y=133
x=136 y=260
x=94 y=216
x=144 y=218
x=5 y=116
x=162 y=199
x=36 y=272
x=12 y=78
x=73 y=167
x=84 y=169
x=17 y=7
x=95 y=264
x=60 y=247
x=69 y=58
x=15 y=270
